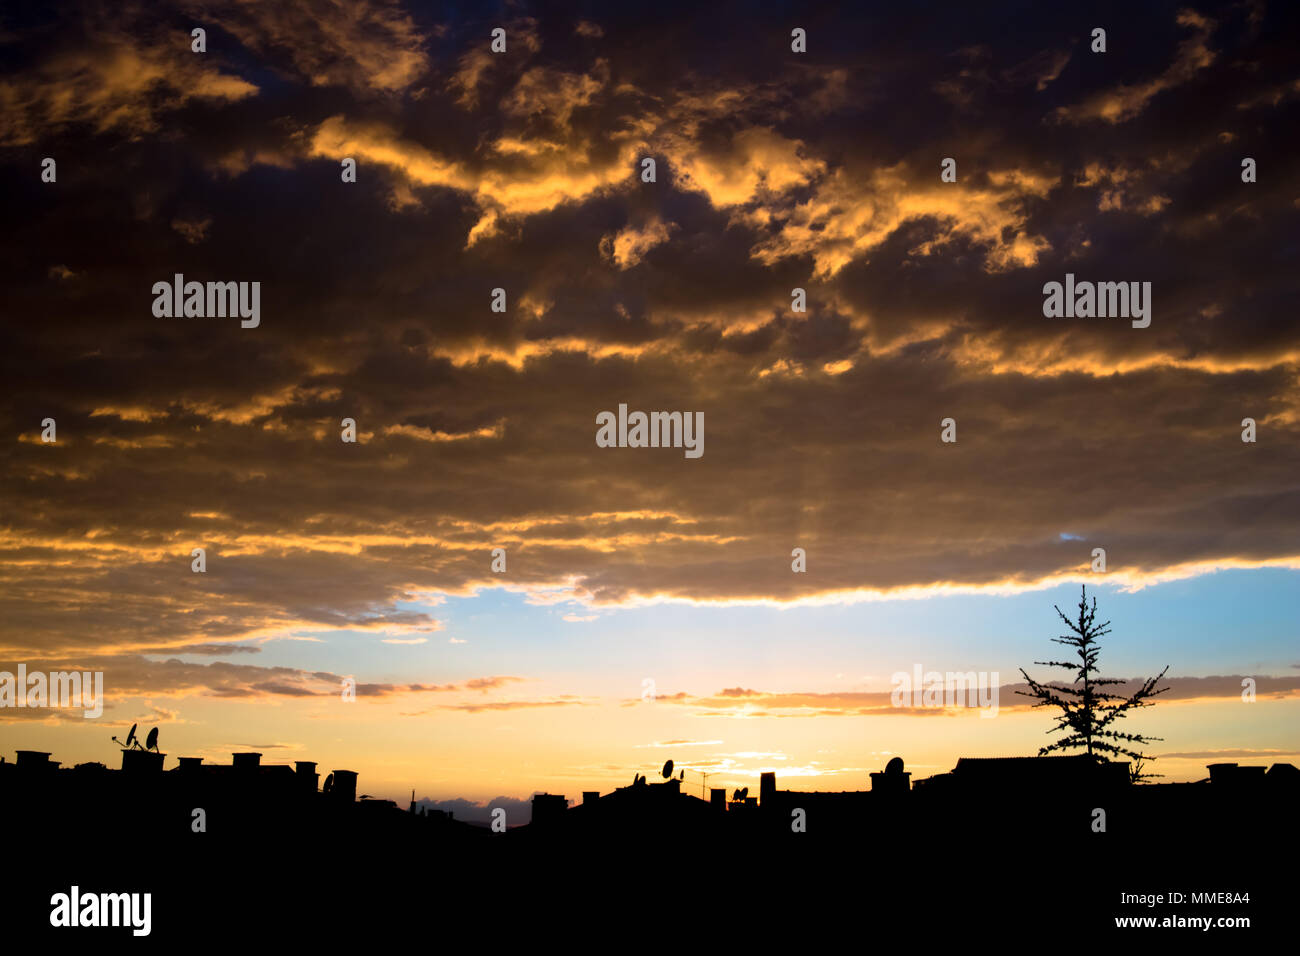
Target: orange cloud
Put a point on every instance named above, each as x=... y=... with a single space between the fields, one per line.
x=368 y=45
x=1126 y=101
x=847 y=217
x=119 y=81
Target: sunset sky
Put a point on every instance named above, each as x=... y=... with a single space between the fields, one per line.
x=476 y=429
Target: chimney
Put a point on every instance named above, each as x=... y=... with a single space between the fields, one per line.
x=305 y=772
x=190 y=764
x=718 y=798
x=548 y=809
x=345 y=786
x=246 y=762
x=766 y=788
x=590 y=796
x=33 y=760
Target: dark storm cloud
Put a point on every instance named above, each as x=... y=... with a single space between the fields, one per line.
x=520 y=171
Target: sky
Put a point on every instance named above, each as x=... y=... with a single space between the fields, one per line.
x=649 y=607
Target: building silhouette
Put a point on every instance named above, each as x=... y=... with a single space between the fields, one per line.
x=279 y=833
x=257 y=796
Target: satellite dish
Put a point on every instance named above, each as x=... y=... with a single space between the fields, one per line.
x=744 y=792
x=329 y=784
x=668 y=769
x=682 y=775
x=151 y=742
x=736 y=795
x=894 y=766
x=130 y=738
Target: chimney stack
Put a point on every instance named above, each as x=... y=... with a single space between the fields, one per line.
x=33 y=760
x=548 y=809
x=246 y=762
x=345 y=786
x=307 y=777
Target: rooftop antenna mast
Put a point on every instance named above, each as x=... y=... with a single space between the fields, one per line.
x=704 y=781
x=704 y=784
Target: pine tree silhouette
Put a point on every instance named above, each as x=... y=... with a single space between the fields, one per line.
x=1088 y=711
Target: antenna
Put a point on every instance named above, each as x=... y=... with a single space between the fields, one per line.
x=704 y=781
